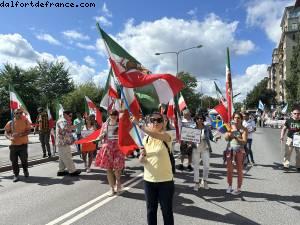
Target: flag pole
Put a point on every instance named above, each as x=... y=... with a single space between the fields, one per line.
x=11 y=110
x=122 y=92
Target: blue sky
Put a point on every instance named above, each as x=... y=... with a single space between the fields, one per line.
x=250 y=28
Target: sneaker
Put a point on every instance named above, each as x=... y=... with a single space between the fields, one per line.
x=189 y=168
x=62 y=173
x=180 y=167
x=229 y=190
x=26 y=173
x=44 y=155
x=88 y=170
x=49 y=155
x=76 y=173
x=205 y=184
x=111 y=193
x=236 y=192
x=16 y=179
x=196 y=187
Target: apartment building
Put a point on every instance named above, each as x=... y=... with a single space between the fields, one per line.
x=282 y=55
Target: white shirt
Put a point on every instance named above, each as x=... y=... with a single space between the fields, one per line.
x=250 y=125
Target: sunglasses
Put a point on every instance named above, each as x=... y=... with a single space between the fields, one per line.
x=18 y=113
x=113 y=114
x=296 y=113
x=237 y=118
x=158 y=120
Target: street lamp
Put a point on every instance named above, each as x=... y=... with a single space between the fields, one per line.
x=177 y=54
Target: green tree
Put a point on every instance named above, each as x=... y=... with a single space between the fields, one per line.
x=260 y=92
x=292 y=82
x=75 y=100
x=23 y=82
x=54 y=81
x=192 y=98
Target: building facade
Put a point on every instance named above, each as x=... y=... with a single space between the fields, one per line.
x=282 y=55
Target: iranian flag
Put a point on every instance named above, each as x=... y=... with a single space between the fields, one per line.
x=128 y=135
x=17 y=103
x=59 y=110
x=132 y=74
x=110 y=92
x=92 y=109
x=171 y=109
x=51 y=126
x=181 y=103
x=228 y=87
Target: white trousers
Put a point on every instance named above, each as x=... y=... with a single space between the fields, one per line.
x=65 y=159
x=205 y=155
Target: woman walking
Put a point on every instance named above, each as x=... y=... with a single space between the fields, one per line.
x=88 y=149
x=202 y=151
x=237 y=138
x=158 y=176
x=110 y=157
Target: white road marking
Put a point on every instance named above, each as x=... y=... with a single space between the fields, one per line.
x=98 y=205
x=65 y=216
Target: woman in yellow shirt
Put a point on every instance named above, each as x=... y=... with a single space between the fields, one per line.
x=158 y=176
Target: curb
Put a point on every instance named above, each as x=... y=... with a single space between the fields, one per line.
x=34 y=162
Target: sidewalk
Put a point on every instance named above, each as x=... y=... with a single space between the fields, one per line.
x=35 y=155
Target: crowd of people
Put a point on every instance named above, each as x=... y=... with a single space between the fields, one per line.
x=156 y=154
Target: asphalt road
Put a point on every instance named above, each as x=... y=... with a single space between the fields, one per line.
x=270 y=195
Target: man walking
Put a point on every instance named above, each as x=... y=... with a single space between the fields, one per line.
x=79 y=123
x=292 y=125
x=65 y=139
x=17 y=131
x=251 y=127
x=42 y=126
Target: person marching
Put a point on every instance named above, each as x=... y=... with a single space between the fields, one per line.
x=203 y=151
x=186 y=148
x=237 y=138
x=65 y=139
x=251 y=127
x=79 y=123
x=88 y=149
x=110 y=157
x=42 y=126
x=292 y=125
x=17 y=131
x=158 y=176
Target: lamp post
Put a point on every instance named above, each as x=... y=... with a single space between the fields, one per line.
x=177 y=54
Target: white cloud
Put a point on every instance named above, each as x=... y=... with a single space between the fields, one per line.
x=267 y=15
x=103 y=21
x=193 y=12
x=75 y=35
x=105 y=10
x=245 y=83
x=16 y=50
x=86 y=47
x=48 y=38
x=169 y=34
x=91 y=61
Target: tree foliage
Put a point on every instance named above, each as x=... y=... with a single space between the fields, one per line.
x=75 y=100
x=260 y=92
x=37 y=86
x=292 y=82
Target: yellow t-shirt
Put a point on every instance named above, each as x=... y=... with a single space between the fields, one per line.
x=158 y=166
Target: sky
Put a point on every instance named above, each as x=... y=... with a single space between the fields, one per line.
x=251 y=30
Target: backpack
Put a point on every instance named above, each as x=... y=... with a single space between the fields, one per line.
x=171 y=156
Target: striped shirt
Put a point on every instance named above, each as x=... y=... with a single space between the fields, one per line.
x=42 y=122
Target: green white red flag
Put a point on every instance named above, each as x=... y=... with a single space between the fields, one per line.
x=110 y=92
x=51 y=126
x=132 y=74
x=228 y=87
x=91 y=108
x=181 y=103
x=59 y=110
x=17 y=103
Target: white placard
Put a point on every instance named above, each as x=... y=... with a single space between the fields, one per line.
x=112 y=132
x=296 y=140
x=190 y=134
